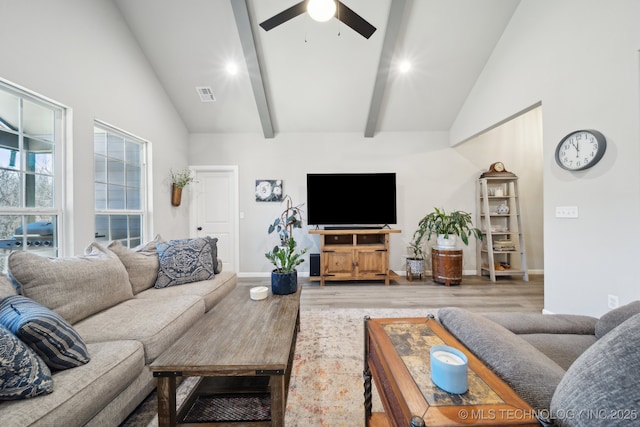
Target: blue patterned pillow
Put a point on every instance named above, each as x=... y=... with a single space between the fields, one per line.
x=45 y=331
x=184 y=261
x=22 y=373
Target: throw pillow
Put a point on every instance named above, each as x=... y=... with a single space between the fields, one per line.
x=46 y=332
x=74 y=287
x=213 y=241
x=184 y=261
x=141 y=263
x=601 y=387
x=150 y=248
x=615 y=317
x=22 y=373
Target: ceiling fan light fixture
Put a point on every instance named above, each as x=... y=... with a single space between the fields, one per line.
x=321 y=10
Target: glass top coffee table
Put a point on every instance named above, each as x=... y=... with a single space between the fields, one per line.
x=397 y=358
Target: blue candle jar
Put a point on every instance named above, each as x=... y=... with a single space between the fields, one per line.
x=449 y=369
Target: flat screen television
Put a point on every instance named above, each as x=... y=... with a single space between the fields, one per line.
x=354 y=199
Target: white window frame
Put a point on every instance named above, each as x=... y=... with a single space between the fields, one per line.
x=145 y=185
x=63 y=239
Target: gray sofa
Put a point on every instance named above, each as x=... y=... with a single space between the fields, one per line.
x=109 y=298
x=573 y=370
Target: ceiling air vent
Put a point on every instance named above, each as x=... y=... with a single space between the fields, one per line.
x=206 y=94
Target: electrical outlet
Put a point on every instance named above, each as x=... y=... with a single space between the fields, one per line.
x=566 y=212
x=612 y=301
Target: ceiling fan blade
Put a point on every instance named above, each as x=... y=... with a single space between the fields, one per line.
x=284 y=16
x=355 y=21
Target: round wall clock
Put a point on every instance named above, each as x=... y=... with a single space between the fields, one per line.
x=581 y=149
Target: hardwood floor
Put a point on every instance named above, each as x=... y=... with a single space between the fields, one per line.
x=475 y=293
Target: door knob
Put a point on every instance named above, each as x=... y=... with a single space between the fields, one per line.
x=199 y=229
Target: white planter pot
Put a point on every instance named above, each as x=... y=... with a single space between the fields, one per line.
x=415 y=265
x=447 y=243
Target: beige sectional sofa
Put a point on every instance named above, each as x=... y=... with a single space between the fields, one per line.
x=109 y=298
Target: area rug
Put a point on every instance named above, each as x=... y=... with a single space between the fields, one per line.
x=326 y=387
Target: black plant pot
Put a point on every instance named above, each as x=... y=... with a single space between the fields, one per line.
x=284 y=283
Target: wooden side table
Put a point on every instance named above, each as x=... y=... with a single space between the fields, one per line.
x=396 y=357
x=446 y=266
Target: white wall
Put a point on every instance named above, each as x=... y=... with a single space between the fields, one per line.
x=518 y=144
x=429 y=173
x=580 y=59
x=81 y=54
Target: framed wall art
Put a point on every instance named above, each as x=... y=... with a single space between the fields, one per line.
x=269 y=190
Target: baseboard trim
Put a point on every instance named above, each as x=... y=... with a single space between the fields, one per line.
x=262 y=275
x=253 y=275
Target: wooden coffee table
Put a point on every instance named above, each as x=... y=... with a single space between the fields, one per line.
x=241 y=348
x=397 y=357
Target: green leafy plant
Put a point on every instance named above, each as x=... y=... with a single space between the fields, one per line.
x=288 y=220
x=181 y=178
x=417 y=245
x=285 y=257
x=458 y=223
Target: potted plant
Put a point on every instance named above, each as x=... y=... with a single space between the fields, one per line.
x=179 y=180
x=447 y=227
x=446 y=266
x=286 y=257
x=415 y=263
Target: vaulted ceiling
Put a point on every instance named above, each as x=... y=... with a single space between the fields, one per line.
x=306 y=76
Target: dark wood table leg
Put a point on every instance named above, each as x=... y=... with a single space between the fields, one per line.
x=166 y=401
x=278 y=401
x=366 y=376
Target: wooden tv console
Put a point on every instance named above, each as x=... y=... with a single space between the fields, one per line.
x=354 y=254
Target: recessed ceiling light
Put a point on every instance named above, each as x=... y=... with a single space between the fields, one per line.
x=404 y=66
x=232 y=68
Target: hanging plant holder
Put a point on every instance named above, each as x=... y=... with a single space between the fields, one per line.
x=179 y=179
x=176 y=195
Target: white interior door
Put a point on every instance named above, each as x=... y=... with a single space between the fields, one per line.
x=215 y=210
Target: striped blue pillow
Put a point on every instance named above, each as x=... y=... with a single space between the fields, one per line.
x=45 y=331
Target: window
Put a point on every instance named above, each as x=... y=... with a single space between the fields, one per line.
x=31 y=153
x=119 y=180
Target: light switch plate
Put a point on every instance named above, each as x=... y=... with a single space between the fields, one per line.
x=566 y=212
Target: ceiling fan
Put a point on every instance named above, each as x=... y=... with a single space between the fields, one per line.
x=340 y=11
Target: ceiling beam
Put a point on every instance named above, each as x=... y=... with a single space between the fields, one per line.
x=388 y=46
x=241 y=14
